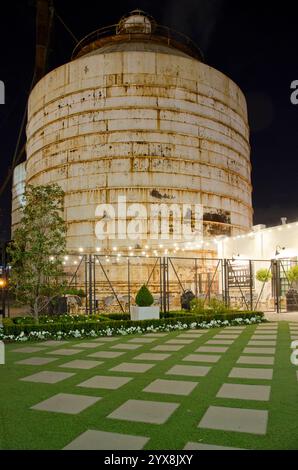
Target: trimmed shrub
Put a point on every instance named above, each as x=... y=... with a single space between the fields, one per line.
x=144 y=297
x=97 y=326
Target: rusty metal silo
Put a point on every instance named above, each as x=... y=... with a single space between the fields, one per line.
x=137 y=113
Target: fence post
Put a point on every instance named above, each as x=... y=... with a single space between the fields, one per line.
x=128 y=281
x=226 y=282
x=90 y=286
x=251 y=285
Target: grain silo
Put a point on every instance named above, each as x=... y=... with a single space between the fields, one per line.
x=137 y=113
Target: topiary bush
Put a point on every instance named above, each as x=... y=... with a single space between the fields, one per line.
x=144 y=298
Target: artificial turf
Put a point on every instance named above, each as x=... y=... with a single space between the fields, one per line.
x=24 y=428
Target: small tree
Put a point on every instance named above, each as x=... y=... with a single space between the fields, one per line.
x=144 y=298
x=38 y=247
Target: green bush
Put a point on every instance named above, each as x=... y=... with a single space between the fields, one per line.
x=116 y=316
x=292 y=274
x=263 y=275
x=204 y=307
x=97 y=326
x=74 y=291
x=144 y=297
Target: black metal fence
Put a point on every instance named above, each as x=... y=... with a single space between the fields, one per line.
x=111 y=282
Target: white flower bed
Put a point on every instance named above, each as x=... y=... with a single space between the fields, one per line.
x=78 y=334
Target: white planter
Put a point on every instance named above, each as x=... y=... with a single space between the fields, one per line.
x=144 y=313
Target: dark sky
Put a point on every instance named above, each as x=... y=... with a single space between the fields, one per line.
x=254 y=43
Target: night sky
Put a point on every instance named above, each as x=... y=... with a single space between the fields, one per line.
x=254 y=43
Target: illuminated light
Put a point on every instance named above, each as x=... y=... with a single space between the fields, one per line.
x=106 y=257
x=279 y=229
x=289 y=226
x=80 y=257
x=130 y=248
x=64 y=263
x=66 y=258
x=160 y=246
x=143 y=253
x=119 y=255
x=114 y=248
x=2 y=283
x=52 y=258
x=98 y=249
x=75 y=262
x=147 y=256
x=108 y=260
x=81 y=250
x=97 y=261
x=146 y=247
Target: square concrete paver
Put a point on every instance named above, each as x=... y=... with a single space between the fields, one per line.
x=81 y=364
x=90 y=345
x=192 y=371
x=105 y=381
x=126 y=346
x=156 y=335
x=66 y=403
x=151 y=357
x=179 y=341
x=142 y=340
x=65 y=352
x=256 y=360
x=263 y=337
x=251 y=373
x=190 y=336
x=101 y=440
x=144 y=411
x=167 y=347
x=47 y=377
x=171 y=387
x=106 y=339
x=212 y=349
x=235 y=419
x=131 y=367
x=202 y=358
x=28 y=350
x=227 y=336
x=261 y=343
x=245 y=392
x=201 y=446
x=37 y=361
x=220 y=341
x=53 y=342
x=106 y=354
x=261 y=351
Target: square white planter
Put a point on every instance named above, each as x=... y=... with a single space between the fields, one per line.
x=144 y=313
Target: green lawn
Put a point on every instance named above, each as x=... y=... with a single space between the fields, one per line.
x=25 y=428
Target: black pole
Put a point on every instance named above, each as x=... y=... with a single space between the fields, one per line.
x=196 y=278
x=251 y=284
x=128 y=283
x=86 y=284
x=90 y=286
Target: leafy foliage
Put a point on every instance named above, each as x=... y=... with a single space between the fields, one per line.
x=207 y=307
x=98 y=326
x=38 y=247
x=263 y=275
x=293 y=274
x=144 y=297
